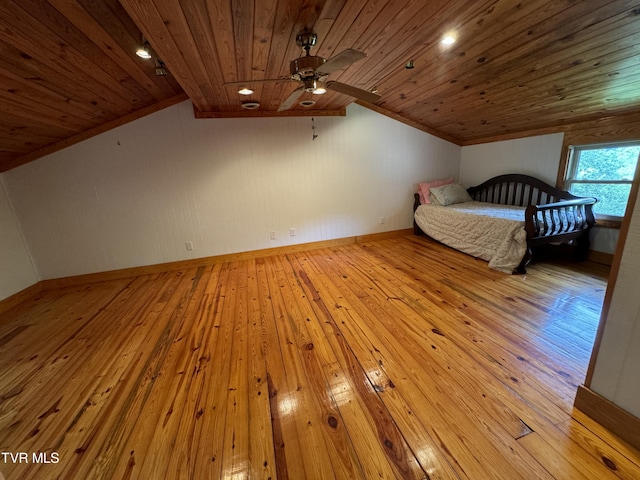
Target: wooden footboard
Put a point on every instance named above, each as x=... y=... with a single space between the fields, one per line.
x=558 y=221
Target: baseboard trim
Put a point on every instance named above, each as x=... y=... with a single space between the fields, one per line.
x=609 y=415
x=600 y=257
x=20 y=297
x=204 y=261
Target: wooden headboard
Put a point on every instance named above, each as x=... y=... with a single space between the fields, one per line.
x=517 y=189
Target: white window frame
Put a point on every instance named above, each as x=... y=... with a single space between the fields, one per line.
x=572 y=165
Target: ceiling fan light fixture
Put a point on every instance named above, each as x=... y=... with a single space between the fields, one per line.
x=319 y=90
x=143 y=51
x=310 y=84
x=245 y=91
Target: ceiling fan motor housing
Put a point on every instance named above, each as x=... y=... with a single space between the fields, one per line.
x=305 y=67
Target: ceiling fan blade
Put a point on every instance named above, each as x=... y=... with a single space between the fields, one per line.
x=353 y=91
x=291 y=99
x=266 y=80
x=343 y=59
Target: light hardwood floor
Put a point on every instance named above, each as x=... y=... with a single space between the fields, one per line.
x=397 y=358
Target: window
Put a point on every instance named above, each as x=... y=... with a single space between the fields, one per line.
x=606 y=172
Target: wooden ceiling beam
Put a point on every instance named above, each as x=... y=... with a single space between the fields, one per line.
x=270 y=113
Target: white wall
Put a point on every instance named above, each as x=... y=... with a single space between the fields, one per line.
x=134 y=195
x=615 y=375
x=537 y=156
x=16 y=268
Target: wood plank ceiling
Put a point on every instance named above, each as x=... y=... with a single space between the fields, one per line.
x=68 y=68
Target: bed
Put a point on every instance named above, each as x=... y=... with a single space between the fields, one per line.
x=505 y=218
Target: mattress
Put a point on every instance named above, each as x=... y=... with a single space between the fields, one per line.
x=489 y=231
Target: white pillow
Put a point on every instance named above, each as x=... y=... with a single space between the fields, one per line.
x=450 y=194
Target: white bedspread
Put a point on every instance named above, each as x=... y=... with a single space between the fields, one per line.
x=485 y=230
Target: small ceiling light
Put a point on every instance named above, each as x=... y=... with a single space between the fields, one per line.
x=245 y=91
x=250 y=105
x=307 y=103
x=409 y=65
x=448 y=40
x=143 y=51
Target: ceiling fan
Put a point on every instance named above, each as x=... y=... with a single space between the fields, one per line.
x=312 y=71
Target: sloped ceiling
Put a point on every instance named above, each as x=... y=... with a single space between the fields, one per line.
x=68 y=68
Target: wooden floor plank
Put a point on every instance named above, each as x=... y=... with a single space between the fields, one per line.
x=289 y=461
x=261 y=454
x=396 y=358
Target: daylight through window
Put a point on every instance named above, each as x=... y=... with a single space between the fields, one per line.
x=605 y=172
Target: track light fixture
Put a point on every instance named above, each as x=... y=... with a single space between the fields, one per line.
x=143 y=51
x=161 y=70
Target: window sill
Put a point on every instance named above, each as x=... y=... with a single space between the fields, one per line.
x=606 y=223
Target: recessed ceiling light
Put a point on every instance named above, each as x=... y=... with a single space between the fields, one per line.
x=448 y=39
x=245 y=91
x=250 y=105
x=307 y=103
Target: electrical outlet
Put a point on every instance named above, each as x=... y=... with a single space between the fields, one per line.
x=189 y=245
x=381 y=220
x=272 y=235
x=292 y=232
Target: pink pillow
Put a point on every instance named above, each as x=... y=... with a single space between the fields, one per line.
x=423 y=188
